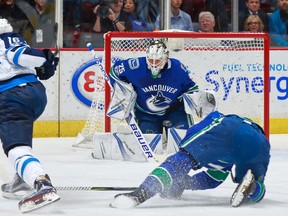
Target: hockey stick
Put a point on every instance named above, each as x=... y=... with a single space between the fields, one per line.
x=144 y=145
x=55 y=37
x=74 y=188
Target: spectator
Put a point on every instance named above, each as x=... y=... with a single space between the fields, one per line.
x=253 y=8
x=253 y=24
x=41 y=31
x=138 y=23
x=179 y=19
x=216 y=7
x=206 y=22
x=278 y=24
x=265 y=5
x=112 y=19
x=10 y=11
x=148 y=10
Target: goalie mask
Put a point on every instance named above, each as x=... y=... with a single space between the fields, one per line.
x=5 y=26
x=156 y=57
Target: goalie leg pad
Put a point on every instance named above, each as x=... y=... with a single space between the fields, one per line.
x=174 y=139
x=123 y=146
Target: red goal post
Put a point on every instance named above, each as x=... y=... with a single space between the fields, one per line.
x=234 y=65
x=251 y=53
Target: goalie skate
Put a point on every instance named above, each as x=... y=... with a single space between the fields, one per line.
x=16 y=189
x=243 y=190
x=129 y=200
x=45 y=195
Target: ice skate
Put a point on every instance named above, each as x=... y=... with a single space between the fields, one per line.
x=129 y=200
x=243 y=190
x=45 y=194
x=16 y=189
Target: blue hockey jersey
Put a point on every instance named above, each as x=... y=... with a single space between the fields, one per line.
x=154 y=95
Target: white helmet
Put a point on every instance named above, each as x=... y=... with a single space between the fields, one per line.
x=156 y=57
x=5 y=26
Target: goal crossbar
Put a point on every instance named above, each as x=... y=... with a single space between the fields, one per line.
x=240 y=38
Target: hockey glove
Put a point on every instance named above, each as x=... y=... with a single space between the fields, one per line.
x=47 y=70
x=200 y=103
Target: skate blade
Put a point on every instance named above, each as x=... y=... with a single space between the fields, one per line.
x=239 y=194
x=38 y=202
x=19 y=195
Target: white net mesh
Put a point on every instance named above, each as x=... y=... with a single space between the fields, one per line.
x=230 y=64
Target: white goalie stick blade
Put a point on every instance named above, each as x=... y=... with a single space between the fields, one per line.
x=36 y=201
x=124 y=202
x=242 y=191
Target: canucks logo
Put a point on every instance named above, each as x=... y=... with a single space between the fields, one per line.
x=158 y=103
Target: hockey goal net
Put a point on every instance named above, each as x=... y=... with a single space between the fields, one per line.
x=234 y=65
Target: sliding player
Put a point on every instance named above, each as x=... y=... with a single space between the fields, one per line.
x=218 y=142
x=159 y=82
x=22 y=101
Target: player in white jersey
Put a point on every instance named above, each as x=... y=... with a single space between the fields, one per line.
x=22 y=101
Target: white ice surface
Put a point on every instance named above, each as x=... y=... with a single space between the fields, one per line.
x=69 y=166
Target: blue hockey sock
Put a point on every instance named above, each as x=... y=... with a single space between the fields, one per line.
x=169 y=175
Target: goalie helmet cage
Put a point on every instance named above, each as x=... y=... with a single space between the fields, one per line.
x=234 y=65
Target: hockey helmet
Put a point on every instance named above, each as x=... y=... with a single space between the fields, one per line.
x=5 y=26
x=156 y=57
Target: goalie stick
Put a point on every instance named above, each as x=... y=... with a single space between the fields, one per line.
x=144 y=145
x=75 y=188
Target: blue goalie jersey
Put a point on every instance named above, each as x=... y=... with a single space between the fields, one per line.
x=154 y=95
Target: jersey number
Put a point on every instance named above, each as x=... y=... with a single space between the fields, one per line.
x=13 y=40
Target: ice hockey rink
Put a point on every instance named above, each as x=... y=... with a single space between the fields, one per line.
x=70 y=166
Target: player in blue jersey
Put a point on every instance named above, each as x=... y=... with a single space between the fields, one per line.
x=218 y=142
x=22 y=101
x=159 y=82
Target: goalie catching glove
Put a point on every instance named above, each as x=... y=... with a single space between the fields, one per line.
x=122 y=101
x=47 y=70
x=200 y=103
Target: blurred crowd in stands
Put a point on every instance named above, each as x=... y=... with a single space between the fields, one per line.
x=32 y=19
x=86 y=20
